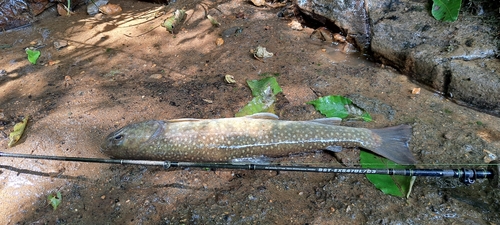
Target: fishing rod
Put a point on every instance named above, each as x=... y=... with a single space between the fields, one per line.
x=466 y=176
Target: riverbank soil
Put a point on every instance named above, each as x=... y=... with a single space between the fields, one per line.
x=116 y=70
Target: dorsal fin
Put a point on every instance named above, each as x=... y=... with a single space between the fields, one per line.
x=266 y=116
x=328 y=121
x=183 y=120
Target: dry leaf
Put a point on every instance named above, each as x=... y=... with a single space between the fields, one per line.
x=15 y=135
x=229 y=79
x=213 y=21
x=295 y=25
x=219 y=41
x=261 y=52
x=240 y=15
x=415 y=91
x=63 y=10
x=60 y=44
x=52 y=62
x=259 y=2
x=322 y=33
x=110 y=9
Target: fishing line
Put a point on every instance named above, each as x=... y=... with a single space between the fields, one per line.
x=467 y=176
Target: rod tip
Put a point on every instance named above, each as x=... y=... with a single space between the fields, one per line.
x=495 y=168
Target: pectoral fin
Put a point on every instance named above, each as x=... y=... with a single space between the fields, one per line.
x=334 y=148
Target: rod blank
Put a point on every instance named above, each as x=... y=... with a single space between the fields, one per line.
x=467 y=176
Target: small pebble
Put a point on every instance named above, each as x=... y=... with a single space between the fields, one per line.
x=339 y=38
x=99 y=16
x=489 y=156
x=156 y=76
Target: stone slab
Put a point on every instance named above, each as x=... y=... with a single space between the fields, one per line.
x=477 y=83
x=438 y=54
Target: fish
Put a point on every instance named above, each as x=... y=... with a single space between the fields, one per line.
x=254 y=136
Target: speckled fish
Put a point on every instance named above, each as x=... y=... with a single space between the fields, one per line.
x=262 y=134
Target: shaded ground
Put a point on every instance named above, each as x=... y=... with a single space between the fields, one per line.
x=103 y=80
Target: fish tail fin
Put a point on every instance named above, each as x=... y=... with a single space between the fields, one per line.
x=393 y=144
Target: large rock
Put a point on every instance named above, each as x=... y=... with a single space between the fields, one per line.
x=477 y=83
x=457 y=58
x=349 y=15
x=449 y=57
x=19 y=13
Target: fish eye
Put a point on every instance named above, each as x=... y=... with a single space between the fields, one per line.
x=119 y=137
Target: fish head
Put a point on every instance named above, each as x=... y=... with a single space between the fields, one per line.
x=128 y=142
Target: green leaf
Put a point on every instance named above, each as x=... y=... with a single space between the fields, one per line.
x=18 y=131
x=366 y=117
x=213 y=21
x=257 y=105
x=55 y=200
x=33 y=55
x=446 y=10
x=332 y=106
x=173 y=21
x=258 y=86
x=339 y=106
x=396 y=185
x=264 y=92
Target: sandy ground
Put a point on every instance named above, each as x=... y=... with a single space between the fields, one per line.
x=121 y=69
